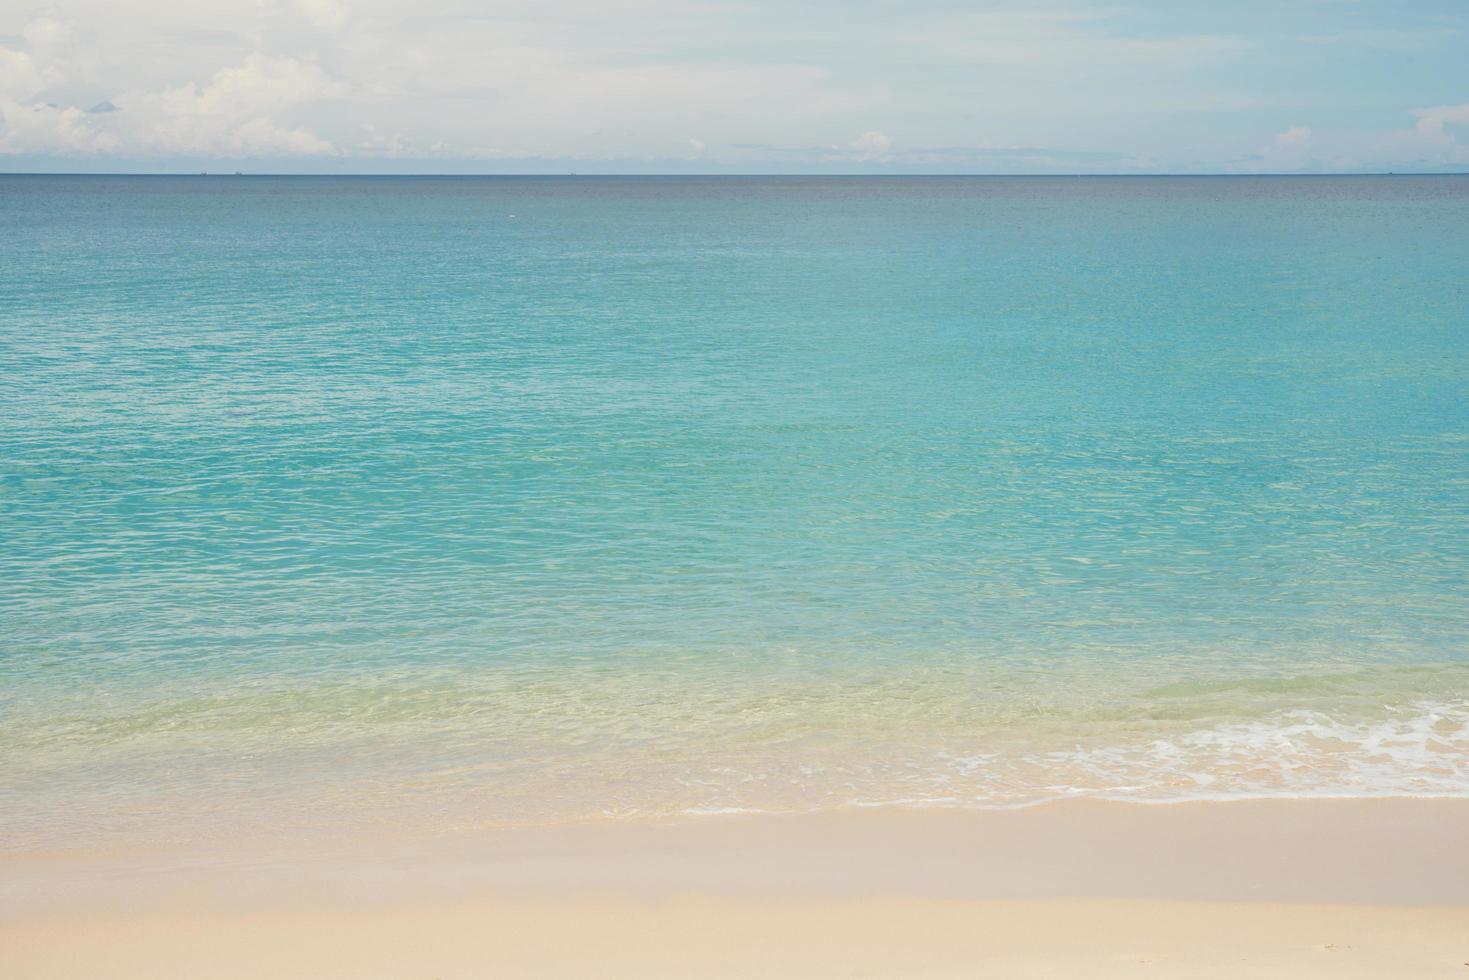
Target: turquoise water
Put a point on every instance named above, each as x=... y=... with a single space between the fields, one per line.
x=542 y=498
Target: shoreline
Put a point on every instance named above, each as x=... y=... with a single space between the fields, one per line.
x=1296 y=888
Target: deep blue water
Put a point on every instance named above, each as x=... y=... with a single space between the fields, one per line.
x=556 y=496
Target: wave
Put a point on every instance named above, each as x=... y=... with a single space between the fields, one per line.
x=484 y=748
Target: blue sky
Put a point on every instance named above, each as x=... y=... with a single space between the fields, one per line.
x=752 y=86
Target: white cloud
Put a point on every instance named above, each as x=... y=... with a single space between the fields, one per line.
x=1432 y=121
x=1429 y=145
x=261 y=137
x=234 y=114
x=44 y=34
x=260 y=84
x=1289 y=151
x=20 y=76
x=1077 y=86
x=26 y=74
x=1432 y=142
x=529 y=96
x=28 y=124
x=872 y=145
x=51 y=129
x=325 y=14
x=391 y=145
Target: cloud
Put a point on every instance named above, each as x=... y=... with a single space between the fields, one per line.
x=872 y=145
x=28 y=124
x=325 y=14
x=20 y=76
x=44 y=34
x=25 y=74
x=1429 y=145
x=1431 y=122
x=1290 y=151
x=1073 y=86
x=260 y=84
x=51 y=129
x=491 y=83
x=391 y=145
x=236 y=113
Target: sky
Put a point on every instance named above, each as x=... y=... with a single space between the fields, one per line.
x=734 y=86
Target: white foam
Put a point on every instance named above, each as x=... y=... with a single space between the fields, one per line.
x=1420 y=749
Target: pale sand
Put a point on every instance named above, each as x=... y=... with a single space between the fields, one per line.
x=1262 y=889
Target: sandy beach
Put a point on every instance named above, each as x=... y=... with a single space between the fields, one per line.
x=1341 y=888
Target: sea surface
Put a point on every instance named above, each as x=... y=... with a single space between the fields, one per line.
x=487 y=500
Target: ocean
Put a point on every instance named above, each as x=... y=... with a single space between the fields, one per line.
x=473 y=501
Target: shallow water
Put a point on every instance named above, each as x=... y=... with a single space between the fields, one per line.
x=541 y=498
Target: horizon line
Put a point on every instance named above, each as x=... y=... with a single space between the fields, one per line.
x=787 y=174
